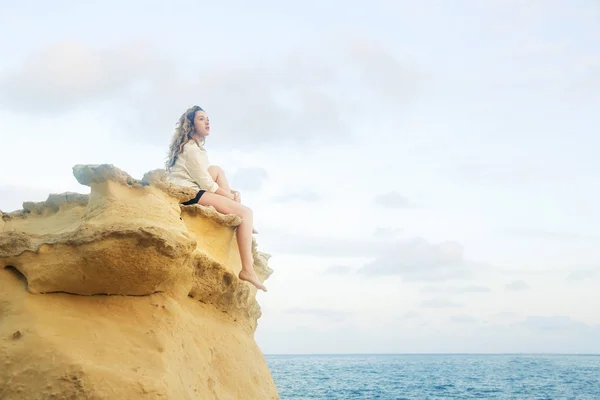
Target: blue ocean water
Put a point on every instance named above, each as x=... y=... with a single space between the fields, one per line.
x=428 y=377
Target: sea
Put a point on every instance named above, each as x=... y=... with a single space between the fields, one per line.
x=429 y=377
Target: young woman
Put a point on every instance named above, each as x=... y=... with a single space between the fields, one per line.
x=188 y=165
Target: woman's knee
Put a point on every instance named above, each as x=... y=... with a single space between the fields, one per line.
x=215 y=170
x=245 y=212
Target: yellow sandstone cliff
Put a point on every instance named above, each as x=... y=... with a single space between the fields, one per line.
x=126 y=294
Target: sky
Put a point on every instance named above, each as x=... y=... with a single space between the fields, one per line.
x=423 y=174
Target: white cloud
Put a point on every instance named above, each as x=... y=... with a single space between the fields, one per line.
x=250 y=178
x=517 y=286
x=411 y=314
x=440 y=303
x=259 y=103
x=392 y=200
x=463 y=319
x=287 y=243
x=456 y=289
x=303 y=196
x=413 y=259
x=339 y=270
x=387 y=232
x=419 y=260
x=583 y=274
x=70 y=74
x=327 y=313
x=553 y=323
x=543 y=234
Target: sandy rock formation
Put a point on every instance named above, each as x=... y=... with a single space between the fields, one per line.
x=126 y=294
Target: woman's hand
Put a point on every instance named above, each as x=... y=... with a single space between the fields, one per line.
x=237 y=197
x=225 y=193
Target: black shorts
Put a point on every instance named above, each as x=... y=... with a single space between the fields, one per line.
x=195 y=199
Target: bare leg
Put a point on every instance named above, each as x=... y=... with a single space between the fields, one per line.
x=218 y=176
x=244 y=233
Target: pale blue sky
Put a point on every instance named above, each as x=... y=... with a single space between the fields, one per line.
x=423 y=173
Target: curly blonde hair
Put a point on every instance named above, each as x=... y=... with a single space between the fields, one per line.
x=184 y=130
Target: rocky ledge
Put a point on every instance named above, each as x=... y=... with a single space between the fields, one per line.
x=124 y=293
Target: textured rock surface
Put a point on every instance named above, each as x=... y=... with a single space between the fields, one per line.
x=127 y=294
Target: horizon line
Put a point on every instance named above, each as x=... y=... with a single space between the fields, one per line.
x=432 y=354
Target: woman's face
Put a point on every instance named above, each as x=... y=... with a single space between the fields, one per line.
x=201 y=124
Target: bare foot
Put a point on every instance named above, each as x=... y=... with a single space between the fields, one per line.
x=252 y=278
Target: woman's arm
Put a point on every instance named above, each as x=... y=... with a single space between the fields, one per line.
x=196 y=162
x=225 y=193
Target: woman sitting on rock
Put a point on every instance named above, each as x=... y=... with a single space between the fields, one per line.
x=188 y=165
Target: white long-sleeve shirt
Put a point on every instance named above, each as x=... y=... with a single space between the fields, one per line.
x=191 y=168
